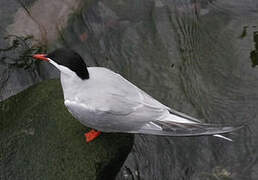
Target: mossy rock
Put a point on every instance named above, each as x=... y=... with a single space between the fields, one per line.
x=40 y=140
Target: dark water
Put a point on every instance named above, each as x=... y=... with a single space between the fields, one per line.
x=196 y=56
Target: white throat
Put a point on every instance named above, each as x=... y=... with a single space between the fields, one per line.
x=70 y=80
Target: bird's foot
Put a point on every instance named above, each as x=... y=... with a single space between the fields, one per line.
x=90 y=136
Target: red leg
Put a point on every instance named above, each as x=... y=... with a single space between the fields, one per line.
x=90 y=136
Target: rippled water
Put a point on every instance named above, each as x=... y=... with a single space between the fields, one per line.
x=192 y=55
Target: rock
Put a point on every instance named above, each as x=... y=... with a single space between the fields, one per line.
x=39 y=139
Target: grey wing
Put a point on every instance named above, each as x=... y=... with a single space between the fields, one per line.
x=118 y=103
x=151 y=102
x=114 y=94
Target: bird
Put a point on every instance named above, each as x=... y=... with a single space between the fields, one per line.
x=107 y=102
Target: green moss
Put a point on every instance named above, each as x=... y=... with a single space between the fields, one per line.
x=254 y=53
x=40 y=140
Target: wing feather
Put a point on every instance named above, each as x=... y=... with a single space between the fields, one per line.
x=115 y=95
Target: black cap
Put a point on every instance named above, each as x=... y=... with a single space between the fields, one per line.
x=71 y=60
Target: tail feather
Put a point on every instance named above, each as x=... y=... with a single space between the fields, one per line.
x=222 y=137
x=195 y=129
x=174 y=125
x=168 y=128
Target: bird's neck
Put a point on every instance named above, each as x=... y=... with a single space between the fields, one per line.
x=71 y=84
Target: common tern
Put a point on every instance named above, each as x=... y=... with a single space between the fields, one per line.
x=105 y=101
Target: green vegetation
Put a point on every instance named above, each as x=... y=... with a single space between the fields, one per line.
x=19 y=53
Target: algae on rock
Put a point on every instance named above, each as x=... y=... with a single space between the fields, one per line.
x=40 y=140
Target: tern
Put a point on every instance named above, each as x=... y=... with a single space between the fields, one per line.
x=106 y=102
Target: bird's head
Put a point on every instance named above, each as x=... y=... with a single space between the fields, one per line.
x=67 y=61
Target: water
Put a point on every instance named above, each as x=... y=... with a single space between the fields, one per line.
x=194 y=56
